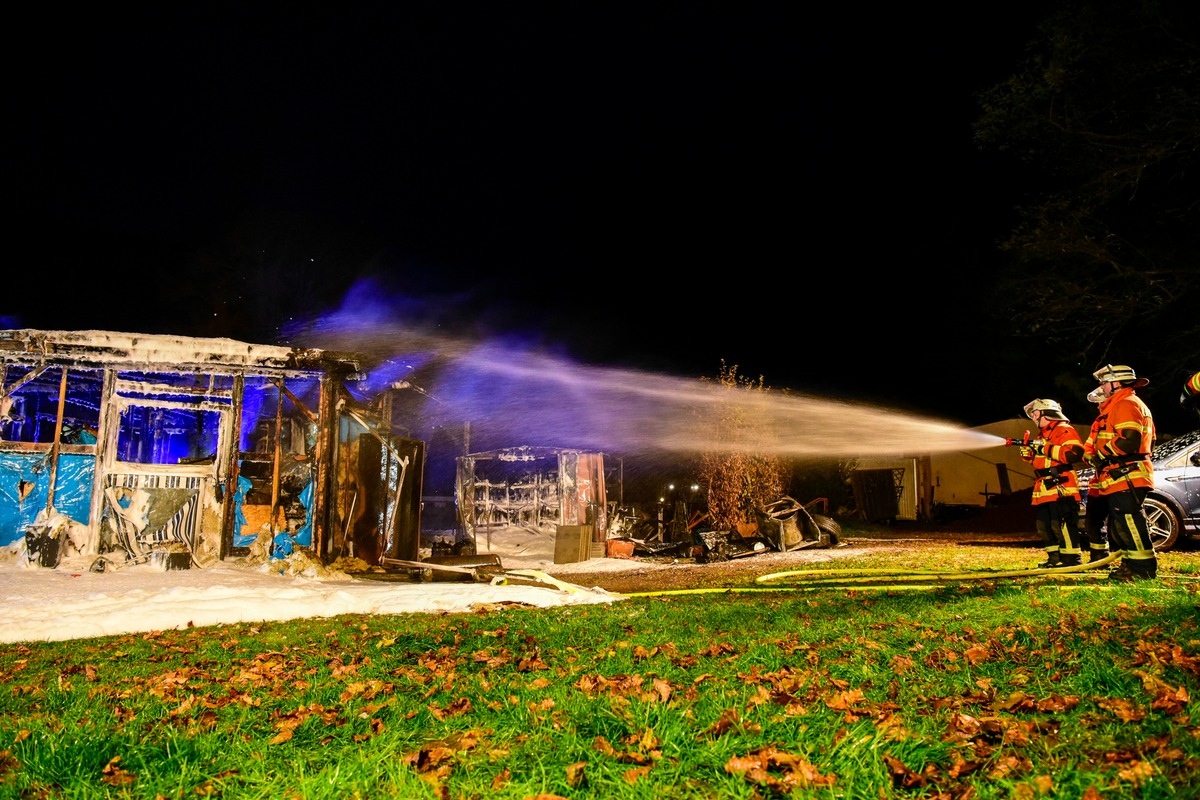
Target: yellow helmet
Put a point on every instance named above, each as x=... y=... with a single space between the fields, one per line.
x=1121 y=374
x=1050 y=408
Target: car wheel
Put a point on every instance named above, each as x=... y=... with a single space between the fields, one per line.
x=829 y=527
x=1163 y=524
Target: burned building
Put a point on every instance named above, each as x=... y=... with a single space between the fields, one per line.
x=186 y=451
x=557 y=491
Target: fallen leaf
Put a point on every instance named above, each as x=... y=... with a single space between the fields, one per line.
x=902 y=776
x=576 y=777
x=1137 y=773
x=632 y=776
x=113 y=775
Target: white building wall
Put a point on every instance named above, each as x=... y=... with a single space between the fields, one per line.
x=969 y=477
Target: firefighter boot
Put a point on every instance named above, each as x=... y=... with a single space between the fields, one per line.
x=1121 y=572
x=1071 y=560
x=1097 y=555
x=1144 y=570
x=1131 y=571
x=1053 y=560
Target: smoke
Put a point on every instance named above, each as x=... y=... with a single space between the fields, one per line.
x=515 y=391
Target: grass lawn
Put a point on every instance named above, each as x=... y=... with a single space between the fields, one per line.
x=890 y=681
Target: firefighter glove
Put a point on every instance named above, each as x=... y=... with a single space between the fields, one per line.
x=1026 y=453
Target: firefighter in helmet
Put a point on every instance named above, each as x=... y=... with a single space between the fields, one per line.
x=1056 y=487
x=1190 y=398
x=1096 y=515
x=1119 y=448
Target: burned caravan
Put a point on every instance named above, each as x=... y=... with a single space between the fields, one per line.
x=184 y=451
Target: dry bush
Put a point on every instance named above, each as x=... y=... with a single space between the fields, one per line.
x=737 y=479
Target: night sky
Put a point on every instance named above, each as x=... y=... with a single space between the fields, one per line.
x=795 y=194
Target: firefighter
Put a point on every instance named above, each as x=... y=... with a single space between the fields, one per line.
x=1096 y=515
x=1190 y=398
x=1056 y=486
x=1120 y=445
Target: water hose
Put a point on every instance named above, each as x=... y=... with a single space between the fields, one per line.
x=834 y=575
x=869 y=579
x=889 y=587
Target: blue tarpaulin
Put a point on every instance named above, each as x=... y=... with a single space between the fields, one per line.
x=285 y=543
x=304 y=532
x=239 y=499
x=25 y=489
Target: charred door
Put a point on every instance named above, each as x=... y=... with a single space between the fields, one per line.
x=381 y=496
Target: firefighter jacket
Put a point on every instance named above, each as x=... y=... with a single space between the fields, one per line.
x=1052 y=463
x=1191 y=393
x=1117 y=470
x=1089 y=450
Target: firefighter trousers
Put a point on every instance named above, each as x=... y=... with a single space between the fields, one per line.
x=1095 y=526
x=1129 y=531
x=1058 y=525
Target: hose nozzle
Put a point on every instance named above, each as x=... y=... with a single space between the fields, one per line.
x=1025 y=441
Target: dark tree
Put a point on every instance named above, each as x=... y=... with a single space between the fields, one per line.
x=1103 y=123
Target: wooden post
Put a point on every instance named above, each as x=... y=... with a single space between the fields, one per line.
x=233 y=451
x=278 y=458
x=58 y=425
x=326 y=543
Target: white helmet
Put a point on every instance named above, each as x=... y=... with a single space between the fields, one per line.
x=1121 y=374
x=1048 y=407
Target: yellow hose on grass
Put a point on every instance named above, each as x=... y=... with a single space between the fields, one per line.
x=871 y=580
x=826 y=575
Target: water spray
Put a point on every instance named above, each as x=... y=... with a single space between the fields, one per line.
x=516 y=392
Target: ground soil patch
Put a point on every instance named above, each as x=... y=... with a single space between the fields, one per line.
x=669 y=573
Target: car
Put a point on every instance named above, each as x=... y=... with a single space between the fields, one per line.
x=1172 y=507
